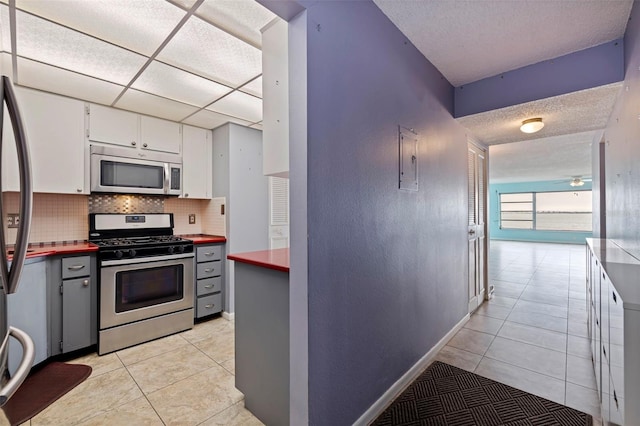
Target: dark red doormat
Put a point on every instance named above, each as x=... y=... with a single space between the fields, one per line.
x=42 y=388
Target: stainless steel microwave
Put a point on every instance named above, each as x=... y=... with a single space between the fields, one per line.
x=131 y=171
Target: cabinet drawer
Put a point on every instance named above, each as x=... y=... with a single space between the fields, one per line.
x=208 y=285
x=208 y=253
x=209 y=305
x=208 y=269
x=73 y=267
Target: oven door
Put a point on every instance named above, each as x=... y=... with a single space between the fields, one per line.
x=136 y=289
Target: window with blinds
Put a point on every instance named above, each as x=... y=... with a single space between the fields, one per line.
x=548 y=211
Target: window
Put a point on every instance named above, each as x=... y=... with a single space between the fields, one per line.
x=548 y=211
x=516 y=211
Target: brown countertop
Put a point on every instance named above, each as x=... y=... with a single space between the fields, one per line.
x=50 y=249
x=277 y=259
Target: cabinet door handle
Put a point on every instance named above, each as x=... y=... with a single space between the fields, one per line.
x=208 y=286
x=209 y=306
x=133 y=143
x=209 y=270
x=75 y=267
x=145 y=145
x=615 y=299
x=209 y=253
x=85 y=283
x=615 y=398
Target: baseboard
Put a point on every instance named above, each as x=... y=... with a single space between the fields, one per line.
x=228 y=316
x=401 y=384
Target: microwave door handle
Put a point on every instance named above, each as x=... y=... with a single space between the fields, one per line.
x=167 y=175
x=26 y=190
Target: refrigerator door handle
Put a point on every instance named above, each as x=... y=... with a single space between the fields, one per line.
x=28 y=354
x=11 y=278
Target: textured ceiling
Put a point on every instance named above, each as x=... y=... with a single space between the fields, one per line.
x=471 y=40
x=553 y=158
x=563 y=115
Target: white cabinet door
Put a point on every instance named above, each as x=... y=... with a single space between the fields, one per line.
x=113 y=126
x=196 y=163
x=55 y=134
x=160 y=135
x=275 y=104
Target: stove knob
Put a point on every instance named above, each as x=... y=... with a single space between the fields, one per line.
x=180 y=249
x=118 y=254
x=171 y=249
x=132 y=253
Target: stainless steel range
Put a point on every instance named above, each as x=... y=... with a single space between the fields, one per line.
x=146 y=278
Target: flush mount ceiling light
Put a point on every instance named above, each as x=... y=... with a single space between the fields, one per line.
x=532 y=125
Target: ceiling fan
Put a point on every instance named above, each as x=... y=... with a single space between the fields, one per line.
x=578 y=180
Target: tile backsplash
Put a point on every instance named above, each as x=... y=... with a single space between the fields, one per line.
x=122 y=203
x=56 y=217
x=60 y=217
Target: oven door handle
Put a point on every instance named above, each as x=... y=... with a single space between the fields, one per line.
x=149 y=259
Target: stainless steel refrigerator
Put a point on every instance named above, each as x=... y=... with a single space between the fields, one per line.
x=10 y=271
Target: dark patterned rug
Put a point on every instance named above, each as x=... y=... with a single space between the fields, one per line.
x=447 y=395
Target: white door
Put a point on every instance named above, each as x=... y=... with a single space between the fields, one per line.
x=278 y=212
x=476 y=229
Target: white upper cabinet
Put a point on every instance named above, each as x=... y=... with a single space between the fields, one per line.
x=196 y=163
x=55 y=134
x=113 y=126
x=160 y=135
x=124 y=128
x=275 y=102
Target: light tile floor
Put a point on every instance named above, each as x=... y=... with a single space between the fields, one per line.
x=532 y=334
x=183 y=379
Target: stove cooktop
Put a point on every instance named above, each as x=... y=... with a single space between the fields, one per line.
x=135 y=247
x=134 y=242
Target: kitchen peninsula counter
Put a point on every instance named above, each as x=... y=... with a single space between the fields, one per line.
x=262 y=332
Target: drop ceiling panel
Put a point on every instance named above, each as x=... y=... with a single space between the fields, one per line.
x=46 y=42
x=183 y=87
x=211 y=120
x=239 y=105
x=140 y=25
x=254 y=88
x=56 y=80
x=134 y=100
x=205 y=50
x=242 y=18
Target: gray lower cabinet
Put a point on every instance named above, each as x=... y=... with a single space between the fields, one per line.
x=209 y=279
x=73 y=302
x=27 y=310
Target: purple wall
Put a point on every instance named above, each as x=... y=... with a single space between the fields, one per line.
x=622 y=149
x=387 y=268
x=592 y=67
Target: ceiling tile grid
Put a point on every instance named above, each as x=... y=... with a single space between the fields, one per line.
x=94 y=50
